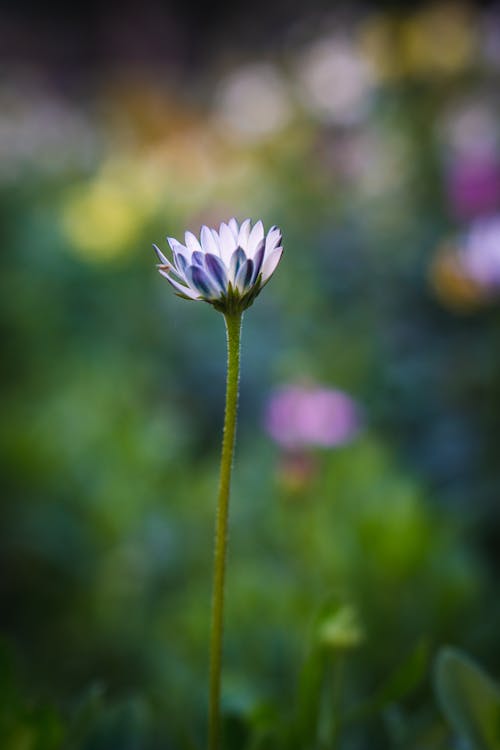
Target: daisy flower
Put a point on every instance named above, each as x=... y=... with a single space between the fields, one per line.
x=226 y=268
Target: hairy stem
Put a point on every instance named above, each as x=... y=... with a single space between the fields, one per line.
x=233 y=329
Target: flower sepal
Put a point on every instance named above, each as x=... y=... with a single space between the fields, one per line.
x=234 y=302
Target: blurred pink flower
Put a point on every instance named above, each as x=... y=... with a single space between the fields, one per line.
x=302 y=416
x=473 y=186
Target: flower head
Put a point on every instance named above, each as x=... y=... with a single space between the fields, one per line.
x=227 y=268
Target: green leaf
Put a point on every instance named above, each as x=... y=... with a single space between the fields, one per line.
x=469 y=699
x=401 y=682
x=47 y=729
x=406 y=677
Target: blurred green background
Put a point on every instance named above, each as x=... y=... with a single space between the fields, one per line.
x=371 y=137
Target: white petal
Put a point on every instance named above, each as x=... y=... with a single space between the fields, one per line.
x=181 y=262
x=273 y=239
x=216 y=237
x=180 y=288
x=270 y=264
x=256 y=235
x=238 y=258
x=208 y=244
x=200 y=281
x=233 y=226
x=168 y=268
x=217 y=270
x=162 y=258
x=192 y=243
x=244 y=276
x=175 y=245
x=243 y=234
x=227 y=243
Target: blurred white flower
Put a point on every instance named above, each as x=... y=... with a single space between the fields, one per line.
x=490 y=37
x=227 y=268
x=470 y=129
x=42 y=133
x=336 y=81
x=253 y=101
x=480 y=253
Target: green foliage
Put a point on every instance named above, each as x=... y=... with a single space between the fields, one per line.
x=25 y=725
x=404 y=680
x=469 y=698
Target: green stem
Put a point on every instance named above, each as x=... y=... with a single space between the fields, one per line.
x=233 y=329
x=337 y=678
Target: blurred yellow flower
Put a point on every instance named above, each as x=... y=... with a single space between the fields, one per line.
x=378 y=41
x=101 y=220
x=450 y=283
x=440 y=39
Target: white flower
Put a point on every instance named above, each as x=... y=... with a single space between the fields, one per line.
x=227 y=268
x=336 y=81
x=253 y=101
x=480 y=253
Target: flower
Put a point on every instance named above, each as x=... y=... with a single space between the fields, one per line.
x=336 y=81
x=253 y=102
x=466 y=270
x=299 y=416
x=480 y=253
x=474 y=186
x=452 y=286
x=227 y=268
